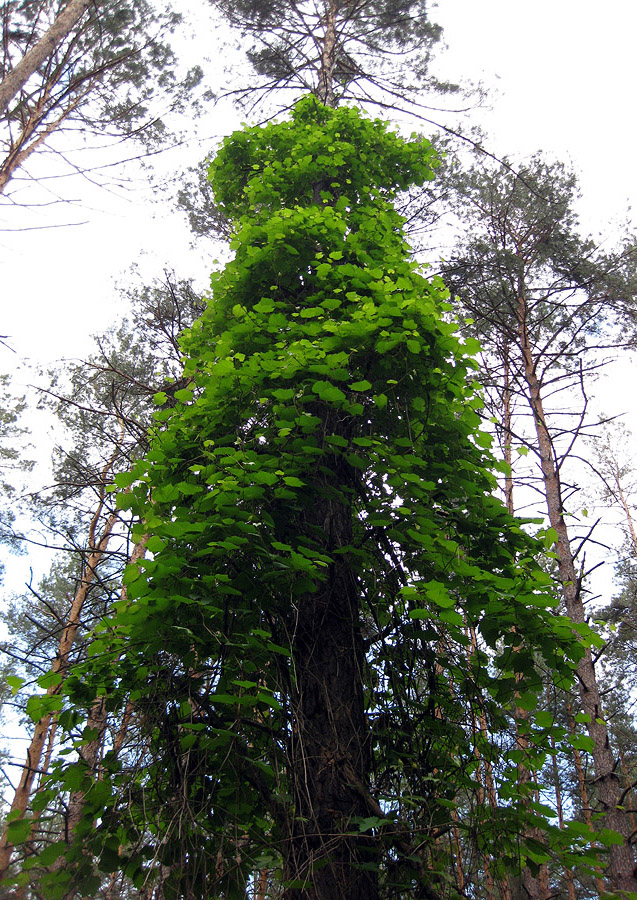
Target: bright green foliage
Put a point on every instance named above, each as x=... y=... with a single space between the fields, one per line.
x=322 y=376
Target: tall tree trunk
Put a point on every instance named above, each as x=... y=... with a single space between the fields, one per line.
x=328 y=55
x=621 y=869
x=507 y=428
x=91 y=755
x=583 y=790
x=330 y=741
x=97 y=720
x=261 y=884
x=489 y=781
x=559 y=806
x=64 y=23
x=22 y=795
x=457 y=851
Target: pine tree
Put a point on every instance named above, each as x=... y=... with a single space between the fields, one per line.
x=339 y=49
x=543 y=300
x=106 y=405
x=89 y=67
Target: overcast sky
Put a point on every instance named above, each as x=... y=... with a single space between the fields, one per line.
x=562 y=79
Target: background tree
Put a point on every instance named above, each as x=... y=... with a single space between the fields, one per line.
x=93 y=69
x=106 y=405
x=539 y=296
x=15 y=464
x=339 y=49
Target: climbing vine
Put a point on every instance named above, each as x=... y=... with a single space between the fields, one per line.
x=337 y=621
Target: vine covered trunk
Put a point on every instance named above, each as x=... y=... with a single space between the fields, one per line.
x=329 y=741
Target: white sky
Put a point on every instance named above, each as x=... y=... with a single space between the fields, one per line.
x=565 y=73
x=565 y=76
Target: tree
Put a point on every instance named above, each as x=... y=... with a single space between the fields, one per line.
x=14 y=463
x=324 y=535
x=87 y=67
x=107 y=414
x=539 y=296
x=338 y=49
x=375 y=52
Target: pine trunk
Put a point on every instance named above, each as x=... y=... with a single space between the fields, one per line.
x=328 y=56
x=621 y=869
x=330 y=742
x=60 y=664
x=66 y=20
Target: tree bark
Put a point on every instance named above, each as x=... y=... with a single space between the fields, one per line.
x=489 y=782
x=21 y=150
x=60 y=665
x=621 y=869
x=64 y=23
x=507 y=428
x=325 y=88
x=583 y=790
x=330 y=741
x=559 y=808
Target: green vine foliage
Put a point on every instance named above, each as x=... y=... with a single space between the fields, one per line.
x=325 y=643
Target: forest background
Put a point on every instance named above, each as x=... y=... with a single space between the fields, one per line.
x=553 y=77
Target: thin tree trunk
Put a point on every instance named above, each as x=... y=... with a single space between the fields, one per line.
x=507 y=428
x=328 y=56
x=629 y=519
x=22 y=891
x=489 y=782
x=91 y=752
x=90 y=755
x=261 y=885
x=621 y=869
x=64 y=23
x=583 y=790
x=628 y=792
x=19 y=153
x=60 y=665
x=568 y=875
x=457 y=851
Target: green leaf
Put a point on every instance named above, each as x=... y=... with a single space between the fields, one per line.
x=51 y=853
x=328 y=392
x=380 y=400
x=50 y=679
x=439 y=594
x=293 y=481
x=370 y=822
x=527 y=701
x=19 y=830
x=125 y=479
x=609 y=838
x=582 y=742
x=153 y=545
x=543 y=719
x=15 y=683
